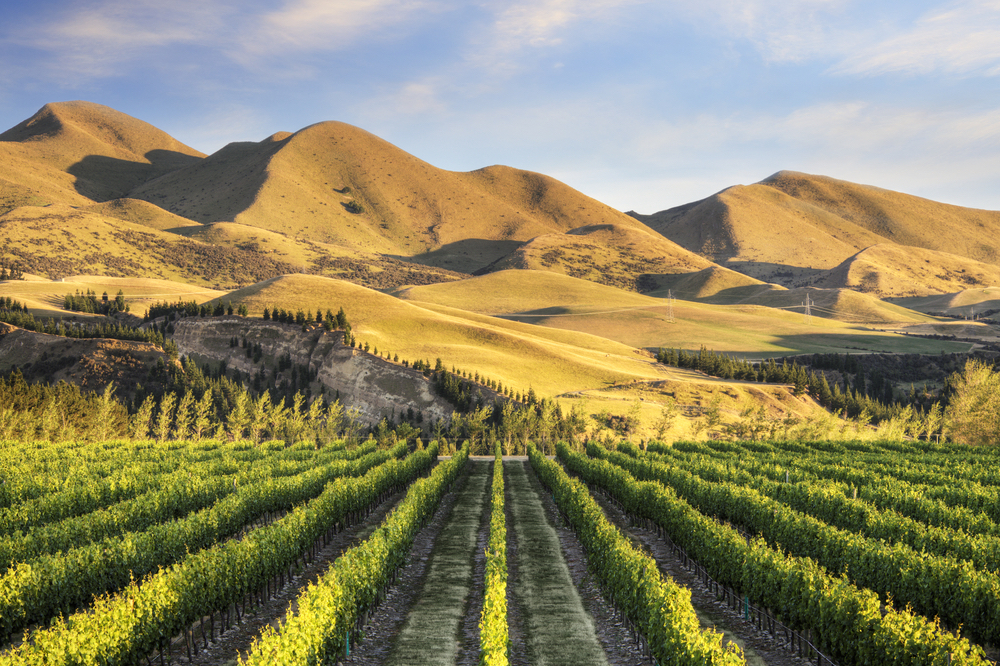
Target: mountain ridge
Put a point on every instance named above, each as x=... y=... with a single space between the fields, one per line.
x=337 y=200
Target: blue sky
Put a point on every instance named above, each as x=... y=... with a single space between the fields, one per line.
x=642 y=105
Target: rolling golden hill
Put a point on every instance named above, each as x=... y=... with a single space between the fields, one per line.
x=324 y=195
x=79 y=152
x=609 y=254
x=794 y=228
x=332 y=216
x=60 y=240
x=87 y=189
x=966 y=303
x=771 y=323
x=336 y=184
x=893 y=271
x=518 y=355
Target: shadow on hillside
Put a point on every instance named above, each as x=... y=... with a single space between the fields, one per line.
x=786 y=275
x=471 y=255
x=103 y=178
x=538 y=316
x=843 y=343
x=692 y=286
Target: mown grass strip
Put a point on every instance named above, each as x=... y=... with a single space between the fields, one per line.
x=659 y=608
x=430 y=634
x=559 y=630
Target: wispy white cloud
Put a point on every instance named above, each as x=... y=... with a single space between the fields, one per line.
x=98 y=39
x=857 y=128
x=961 y=38
x=780 y=30
x=106 y=37
x=517 y=27
x=330 y=25
x=424 y=97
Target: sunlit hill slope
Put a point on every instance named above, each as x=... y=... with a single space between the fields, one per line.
x=797 y=229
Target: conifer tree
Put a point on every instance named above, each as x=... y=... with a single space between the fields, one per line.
x=294 y=423
x=259 y=411
x=182 y=419
x=239 y=415
x=141 y=420
x=165 y=417
x=203 y=414
x=48 y=422
x=103 y=415
x=277 y=414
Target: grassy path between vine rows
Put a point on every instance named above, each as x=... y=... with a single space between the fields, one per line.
x=558 y=630
x=431 y=634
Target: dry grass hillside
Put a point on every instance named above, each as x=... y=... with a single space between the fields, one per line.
x=44 y=298
x=714 y=284
x=902 y=219
x=144 y=214
x=966 y=303
x=887 y=270
x=336 y=184
x=792 y=228
x=60 y=240
x=516 y=354
x=79 y=152
x=609 y=254
x=773 y=326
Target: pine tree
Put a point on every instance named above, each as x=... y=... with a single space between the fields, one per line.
x=239 y=415
x=141 y=420
x=182 y=419
x=102 y=416
x=203 y=414
x=165 y=416
x=334 y=419
x=277 y=415
x=259 y=411
x=295 y=420
x=48 y=421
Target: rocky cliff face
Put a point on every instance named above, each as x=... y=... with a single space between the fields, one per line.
x=90 y=363
x=374 y=386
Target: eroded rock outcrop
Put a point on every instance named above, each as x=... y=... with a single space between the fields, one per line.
x=374 y=386
x=91 y=363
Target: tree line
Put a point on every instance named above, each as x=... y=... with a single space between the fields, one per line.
x=187 y=401
x=17 y=315
x=193 y=309
x=14 y=273
x=89 y=303
x=866 y=397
